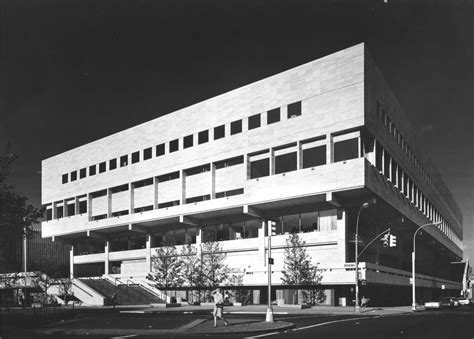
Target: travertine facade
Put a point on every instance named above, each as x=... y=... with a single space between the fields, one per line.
x=306 y=148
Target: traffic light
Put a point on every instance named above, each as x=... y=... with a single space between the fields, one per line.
x=271 y=228
x=385 y=240
x=392 y=240
x=271 y=261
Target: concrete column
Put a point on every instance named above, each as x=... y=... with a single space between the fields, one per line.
x=329 y=149
x=54 y=213
x=132 y=200
x=155 y=192
x=106 y=253
x=89 y=206
x=247 y=166
x=299 y=156
x=183 y=187
x=76 y=205
x=261 y=245
x=71 y=262
x=272 y=161
x=284 y=113
x=148 y=252
x=213 y=181
x=109 y=203
x=360 y=149
x=199 y=241
x=65 y=211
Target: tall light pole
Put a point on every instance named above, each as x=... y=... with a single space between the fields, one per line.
x=413 y=302
x=356 y=245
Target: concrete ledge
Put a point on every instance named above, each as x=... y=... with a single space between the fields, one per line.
x=298 y=306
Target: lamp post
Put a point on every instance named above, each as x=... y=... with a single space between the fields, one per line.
x=413 y=302
x=357 y=307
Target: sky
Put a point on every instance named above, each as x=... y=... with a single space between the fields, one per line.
x=73 y=71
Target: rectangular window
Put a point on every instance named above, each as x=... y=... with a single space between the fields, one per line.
x=92 y=170
x=160 y=150
x=399 y=178
x=135 y=157
x=123 y=160
x=168 y=204
x=73 y=175
x=147 y=153
x=71 y=209
x=219 y=132
x=203 y=137
x=314 y=156
x=394 y=172
x=59 y=212
x=273 y=116
x=188 y=141
x=82 y=173
x=112 y=164
x=65 y=178
x=174 y=145
x=197 y=199
x=260 y=168
x=198 y=169
x=229 y=162
x=235 y=127
x=142 y=183
x=346 y=149
x=229 y=193
x=82 y=206
x=49 y=214
x=285 y=163
x=102 y=167
x=294 y=109
x=254 y=121
x=378 y=156
x=386 y=164
x=169 y=176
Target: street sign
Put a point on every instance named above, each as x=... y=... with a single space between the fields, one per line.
x=271 y=261
x=350 y=265
x=363 y=282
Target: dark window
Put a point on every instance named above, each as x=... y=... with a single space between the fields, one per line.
x=143 y=209
x=294 y=109
x=386 y=164
x=49 y=214
x=273 y=116
x=147 y=153
x=230 y=193
x=345 y=150
x=92 y=170
x=117 y=189
x=141 y=183
x=405 y=185
x=82 y=173
x=197 y=199
x=99 y=194
x=59 y=212
x=160 y=150
x=135 y=157
x=254 y=121
x=394 y=172
x=102 y=167
x=112 y=164
x=99 y=217
x=168 y=204
x=82 y=206
x=73 y=175
x=71 y=209
x=174 y=145
x=119 y=213
x=315 y=156
x=188 y=141
x=379 y=111
x=123 y=160
x=230 y=162
x=285 y=163
x=65 y=178
x=169 y=176
x=235 y=127
x=219 y=132
x=198 y=169
x=378 y=156
x=203 y=137
x=259 y=168
x=399 y=178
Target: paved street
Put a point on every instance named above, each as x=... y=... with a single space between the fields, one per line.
x=374 y=323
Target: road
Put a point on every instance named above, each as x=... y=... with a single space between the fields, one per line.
x=458 y=323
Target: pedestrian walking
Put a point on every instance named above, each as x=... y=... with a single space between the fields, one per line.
x=218 y=306
x=114 y=299
x=364 y=301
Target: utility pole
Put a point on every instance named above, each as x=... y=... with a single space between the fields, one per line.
x=271 y=231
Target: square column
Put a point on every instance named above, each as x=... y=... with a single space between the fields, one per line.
x=148 y=252
x=71 y=262
x=106 y=253
x=261 y=245
x=329 y=149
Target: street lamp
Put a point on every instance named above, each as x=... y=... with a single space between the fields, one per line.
x=413 y=303
x=357 y=307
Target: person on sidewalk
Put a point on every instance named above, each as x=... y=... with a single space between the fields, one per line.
x=218 y=306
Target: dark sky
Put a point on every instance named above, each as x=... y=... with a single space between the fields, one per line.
x=73 y=71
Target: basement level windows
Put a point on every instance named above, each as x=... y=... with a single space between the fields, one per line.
x=235 y=127
x=174 y=145
x=160 y=150
x=135 y=157
x=219 y=132
x=294 y=109
x=273 y=116
x=203 y=137
x=254 y=121
x=147 y=153
x=188 y=141
x=112 y=164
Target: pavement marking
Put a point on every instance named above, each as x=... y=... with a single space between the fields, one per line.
x=124 y=336
x=137 y=311
x=247 y=312
x=328 y=322
x=190 y=325
x=262 y=335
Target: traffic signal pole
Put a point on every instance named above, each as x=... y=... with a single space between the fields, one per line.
x=269 y=317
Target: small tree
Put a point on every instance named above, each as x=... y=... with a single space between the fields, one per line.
x=166 y=267
x=192 y=268
x=298 y=269
x=214 y=269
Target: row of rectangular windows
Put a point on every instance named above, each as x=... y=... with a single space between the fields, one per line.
x=254 y=121
x=397 y=136
x=388 y=166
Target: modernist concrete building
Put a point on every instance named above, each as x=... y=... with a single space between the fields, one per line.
x=306 y=148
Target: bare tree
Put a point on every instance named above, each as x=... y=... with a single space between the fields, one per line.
x=214 y=269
